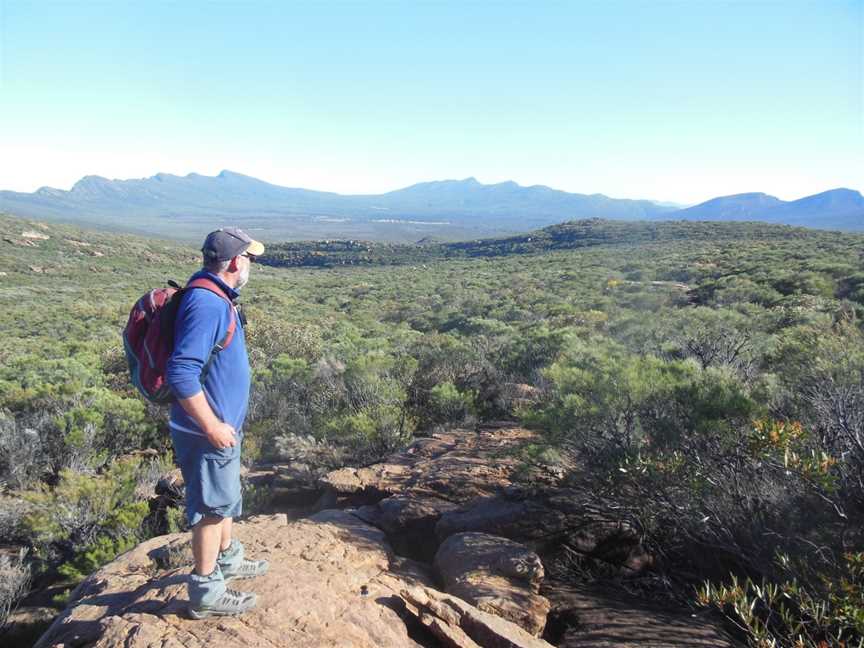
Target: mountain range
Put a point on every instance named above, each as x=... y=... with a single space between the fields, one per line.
x=450 y=209
x=840 y=209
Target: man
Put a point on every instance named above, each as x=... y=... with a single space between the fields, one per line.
x=211 y=386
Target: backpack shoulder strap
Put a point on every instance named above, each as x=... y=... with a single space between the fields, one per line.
x=212 y=286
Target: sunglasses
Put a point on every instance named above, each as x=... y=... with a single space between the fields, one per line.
x=251 y=257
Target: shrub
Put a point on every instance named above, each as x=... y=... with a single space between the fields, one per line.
x=356 y=403
x=449 y=405
x=103 y=549
x=810 y=609
x=22 y=459
x=822 y=372
x=308 y=450
x=721 y=484
x=716 y=337
x=611 y=404
x=12 y=512
x=86 y=520
x=14 y=579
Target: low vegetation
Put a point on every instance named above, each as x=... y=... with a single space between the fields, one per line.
x=14 y=579
x=708 y=379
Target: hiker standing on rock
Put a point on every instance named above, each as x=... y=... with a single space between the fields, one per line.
x=209 y=374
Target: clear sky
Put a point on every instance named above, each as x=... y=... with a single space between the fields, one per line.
x=678 y=101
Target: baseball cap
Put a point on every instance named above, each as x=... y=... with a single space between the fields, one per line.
x=227 y=242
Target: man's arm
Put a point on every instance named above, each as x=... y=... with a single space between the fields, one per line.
x=218 y=433
x=199 y=323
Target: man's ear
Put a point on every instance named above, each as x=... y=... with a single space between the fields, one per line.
x=234 y=266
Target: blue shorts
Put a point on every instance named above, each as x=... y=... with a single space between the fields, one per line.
x=212 y=477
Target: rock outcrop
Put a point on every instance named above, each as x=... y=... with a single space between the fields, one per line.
x=459 y=482
x=334 y=581
x=459 y=512
x=313 y=595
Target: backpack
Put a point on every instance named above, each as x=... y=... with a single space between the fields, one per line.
x=149 y=337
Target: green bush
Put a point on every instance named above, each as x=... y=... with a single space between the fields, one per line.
x=86 y=520
x=721 y=414
x=101 y=551
x=448 y=404
x=603 y=400
x=824 y=609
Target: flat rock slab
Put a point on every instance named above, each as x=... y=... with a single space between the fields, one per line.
x=601 y=618
x=312 y=595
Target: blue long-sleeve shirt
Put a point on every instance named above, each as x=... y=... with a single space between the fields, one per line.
x=202 y=320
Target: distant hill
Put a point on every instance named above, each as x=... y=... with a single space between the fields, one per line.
x=563 y=236
x=186 y=206
x=508 y=202
x=841 y=209
x=166 y=204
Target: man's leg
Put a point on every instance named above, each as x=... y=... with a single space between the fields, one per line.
x=227 y=525
x=206 y=538
x=208 y=593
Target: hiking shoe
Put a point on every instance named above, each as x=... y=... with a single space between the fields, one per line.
x=233 y=563
x=231 y=603
x=245 y=569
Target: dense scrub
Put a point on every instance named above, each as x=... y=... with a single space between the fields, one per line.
x=565 y=236
x=709 y=376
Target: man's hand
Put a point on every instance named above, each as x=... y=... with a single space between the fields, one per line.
x=218 y=433
x=222 y=435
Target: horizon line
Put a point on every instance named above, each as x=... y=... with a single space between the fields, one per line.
x=682 y=205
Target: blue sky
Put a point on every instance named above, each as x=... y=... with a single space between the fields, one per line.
x=678 y=101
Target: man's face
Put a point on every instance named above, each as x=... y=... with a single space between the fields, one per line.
x=244 y=264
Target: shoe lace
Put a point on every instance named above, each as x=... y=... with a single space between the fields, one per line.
x=249 y=566
x=234 y=598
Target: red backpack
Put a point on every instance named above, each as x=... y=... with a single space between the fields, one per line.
x=149 y=337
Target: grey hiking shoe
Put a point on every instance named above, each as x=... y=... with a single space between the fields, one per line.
x=245 y=569
x=231 y=603
x=233 y=563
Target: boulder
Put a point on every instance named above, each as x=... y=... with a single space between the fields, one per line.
x=344 y=481
x=496 y=575
x=408 y=493
x=467 y=481
x=458 y=624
